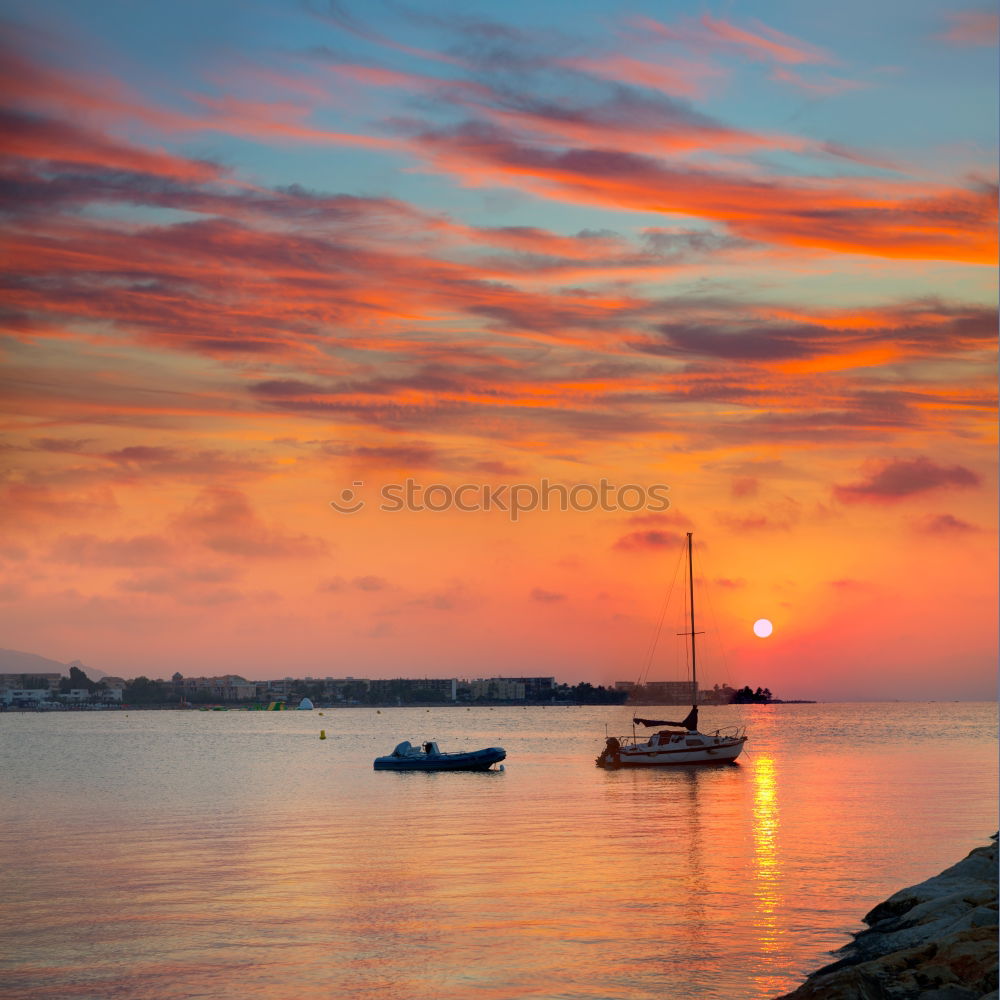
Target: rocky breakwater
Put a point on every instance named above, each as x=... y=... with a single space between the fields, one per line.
x=932 y=941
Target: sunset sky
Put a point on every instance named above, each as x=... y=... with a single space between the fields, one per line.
x=259 y=252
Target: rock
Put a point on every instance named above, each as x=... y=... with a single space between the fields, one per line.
x=932 y=941
x=979 y=867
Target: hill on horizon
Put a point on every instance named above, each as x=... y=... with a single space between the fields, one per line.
x=16 y=661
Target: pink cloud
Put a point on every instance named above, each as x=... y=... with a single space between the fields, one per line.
x=756 y=42
x=642 y=541
x=222 y=520
x=972 y=27
x=61 y=445
x=946 y=524
x=678 y=77
x=755 y=522
x=90 y=550
x=32 y=137
x=23 y=503
x=821 y=86
x=546 y=596
x=416 y=455
x=897 y=479
x=765 y=43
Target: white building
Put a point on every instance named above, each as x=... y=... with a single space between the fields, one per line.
x=23 y=696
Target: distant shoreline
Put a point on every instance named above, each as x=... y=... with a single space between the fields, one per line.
x=33 y=710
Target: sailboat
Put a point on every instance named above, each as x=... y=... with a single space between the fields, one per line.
x=684 y=744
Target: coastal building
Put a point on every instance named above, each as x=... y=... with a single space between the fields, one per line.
x=535 y=688
x=24 y=696
x=77 y=695
x=114 y=688
x=494 y=689
x=21 y=682
x=410 y=689
x=666 y=693
x=724 y=695
x=349 y=690
x=228 y=687
x=280 y=688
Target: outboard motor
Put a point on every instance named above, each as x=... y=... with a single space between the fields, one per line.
x=611 y=754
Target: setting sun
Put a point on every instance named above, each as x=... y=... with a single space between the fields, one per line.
x=762 y=628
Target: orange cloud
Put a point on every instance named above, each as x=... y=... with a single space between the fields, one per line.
x=882 y=219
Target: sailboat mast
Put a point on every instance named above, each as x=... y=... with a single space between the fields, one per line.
x=694 y=665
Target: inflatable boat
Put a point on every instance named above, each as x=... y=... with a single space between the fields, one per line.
x=428 y=757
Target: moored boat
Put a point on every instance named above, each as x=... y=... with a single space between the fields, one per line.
x=667 y=746
x=684 y=745
x=428 y=757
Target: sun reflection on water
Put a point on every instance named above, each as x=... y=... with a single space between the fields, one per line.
x=767 y=869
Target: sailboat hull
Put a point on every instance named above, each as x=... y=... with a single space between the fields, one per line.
x=710 y=750
x=658 y=757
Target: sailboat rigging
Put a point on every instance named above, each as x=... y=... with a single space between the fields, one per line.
x=684 y=745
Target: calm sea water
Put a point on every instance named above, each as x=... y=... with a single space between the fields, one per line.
x=163 y=855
